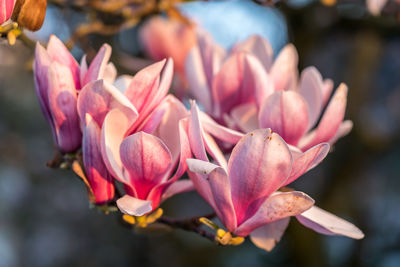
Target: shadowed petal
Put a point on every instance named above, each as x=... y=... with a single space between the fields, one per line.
x=245 y=117
x=259 y=164
x=326 y=223
x=310 y=88
x=62 y=105
x=97 y=175
x=286 y=113
x=303 y=162
x=178 y=187
x=279 y=205
x=267 y=236
x=134 y=206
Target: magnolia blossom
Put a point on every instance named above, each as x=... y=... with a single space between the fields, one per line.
x=135 y=127
x=58 y=79
x=6 y=9
x=247 y=89
x=244 y=191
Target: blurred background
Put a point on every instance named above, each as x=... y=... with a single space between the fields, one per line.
x=45 y=216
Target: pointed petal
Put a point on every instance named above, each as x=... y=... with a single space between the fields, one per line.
x=259 y=164
x=97 y=175
x=245 y=117
x=134 y=206
x=267 y=236
x=310 y=88
x=344 y=129
x=178 y=187
x=83 y=70
x=327 y=90
x=98 y=66
x=195 y=133
x=110 y=73
x=259 y=47
x=58 y=52
x=201 y=166
x=331 y=120
x=149 y=87
x=278 y=206
x=234 y=84
x=286 y=113
x=303 y=162
x=284 y=69
x=115 y=126
x=147 y=160
x=197 y=80
x=326 y=223
x=62 y=106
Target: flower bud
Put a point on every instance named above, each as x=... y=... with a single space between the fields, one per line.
x=30 y=13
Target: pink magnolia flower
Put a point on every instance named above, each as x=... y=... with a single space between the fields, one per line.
x=163 y=38
x=58 y=79
x=247 y=89
x=6 y=9
x=139 y=144
x=243 y=191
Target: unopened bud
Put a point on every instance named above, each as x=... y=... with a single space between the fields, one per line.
x=30 y=13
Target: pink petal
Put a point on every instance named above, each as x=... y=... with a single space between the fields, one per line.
x=259 y=164
x=197 y=80
x=221 y=190
x=58 y=52
x=327 y=90
x=62 y=106
x=331 y=120
x=110 y=73
x=259 y=47
x=97 y=175
x=83 y=69
x=40 y=70
x=178 y=187
x=169 y=126
x=278 y=206
x=303 y=162
x=195 y=133
x=147 y=160
x=134 y=206
x=232 y=85
x=344 y=129
x=376 y=6
x=284 y=69
x=311 y=86
x=98 y=66
x=326 y=223
x=98 y=98
x=220 y=132
x=147 y=89
x=245 y=116
x=212 y=55
x=198 y=172
x=286 y=113
x=267 y=236
x=116 y=124
x=6 y=9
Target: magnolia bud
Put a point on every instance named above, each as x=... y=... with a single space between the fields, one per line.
x=30 y=13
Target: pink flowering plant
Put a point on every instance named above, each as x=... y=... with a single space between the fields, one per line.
x=256 y=131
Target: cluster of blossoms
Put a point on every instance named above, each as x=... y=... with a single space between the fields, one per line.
x=253 y=132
